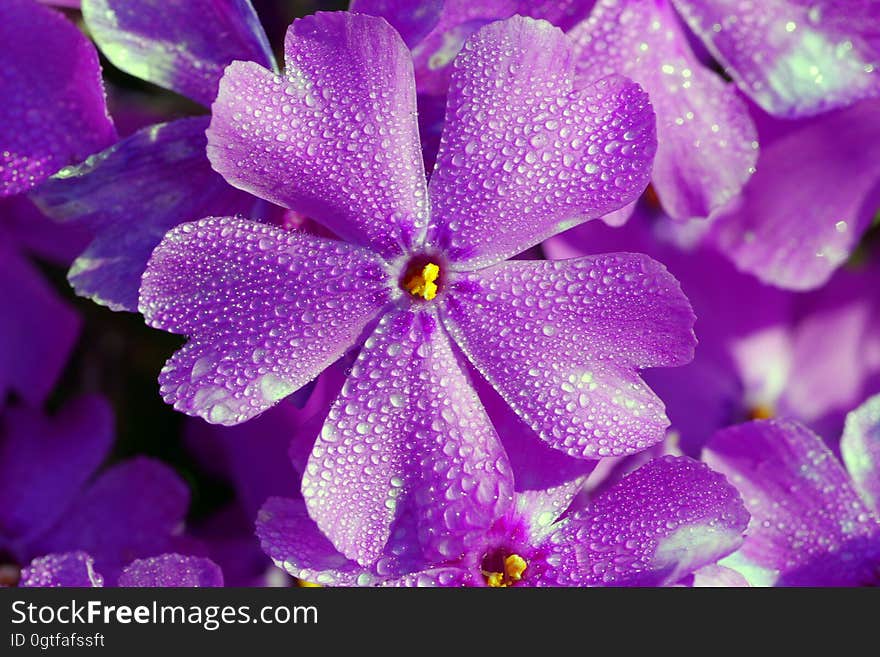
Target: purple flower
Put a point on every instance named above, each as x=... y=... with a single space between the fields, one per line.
x=421 y=280
x=763 y=352
x=78 y=569
x=814 y=523
x=132 y=193
x=51 y=500
x=666 y=520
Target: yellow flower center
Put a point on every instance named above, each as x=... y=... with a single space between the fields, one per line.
x=762 y=412
x=423 y=283
x=514 y=567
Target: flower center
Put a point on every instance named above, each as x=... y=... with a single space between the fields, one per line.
x=422 y=278
x=761 y=412
x=512 y=569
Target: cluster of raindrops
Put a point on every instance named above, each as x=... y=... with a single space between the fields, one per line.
x=334 y=141
x=266 y=310
x=700 y=117
x=44 y=571
x=523 y=155
x=793 y=58
x=663 y=511
x=561 y=341
x=171 y=570
x=407 y=431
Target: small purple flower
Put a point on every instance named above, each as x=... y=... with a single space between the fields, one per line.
x=78 y=569
x=51 y=500
x=660 y=523
x=421 y=280
x=814 y=523
x=132 y=193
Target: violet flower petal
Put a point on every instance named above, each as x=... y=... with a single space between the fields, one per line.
x=561 y=342
x=860 y=448
x=36 y=234
x=795 y=58
x=434 y=577
x=266 y=311
x=129 y=196
x=407 y=431
x=337 y=133
x=53 y=112
x=459 y=19
x=665 y=520
x=128 y=512
x=814 y=194
x=172 y=570
x=707 y=143
x=293 y=541
x=66 y=569
x=182 y=46
x=412 y=20
x=809 y=526
x=45 y=461
x=525 y=153
x=33 y=320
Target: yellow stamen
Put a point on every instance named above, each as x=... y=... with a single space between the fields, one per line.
x=514 y=567
x=305 y=584
x=495 y=580
x=762 y=412
x=422 y=284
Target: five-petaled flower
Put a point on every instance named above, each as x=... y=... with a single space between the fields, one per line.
x=419 y=279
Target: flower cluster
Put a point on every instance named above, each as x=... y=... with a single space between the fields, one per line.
x=398 y=350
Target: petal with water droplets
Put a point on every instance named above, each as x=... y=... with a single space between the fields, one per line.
x=562 y=341
x=525 y=153
x=809 y=526
x=795 y=58
x=407 y=433
x=667 y=519
x=171 y=570
x=66 y=569
x=266 y=311
x=53 y=112
x=335 y=137
x=706 y=142
x=129 y=196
